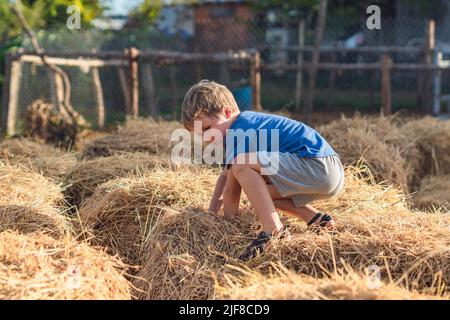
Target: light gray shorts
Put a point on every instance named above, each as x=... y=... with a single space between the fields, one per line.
x=303 y=179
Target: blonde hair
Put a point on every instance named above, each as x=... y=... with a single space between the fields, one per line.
x=208 y=98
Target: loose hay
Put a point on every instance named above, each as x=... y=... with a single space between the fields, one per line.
x=36 y=266
x=431 y=137
x=374 y=228
x=367 y=138
x=83 y=178
x=434 y=193
x=19 y=185
x=29 y=219
x=185 y=248
x=286 y=285
x=52 y=162
x=120 y=214
x=138 y=135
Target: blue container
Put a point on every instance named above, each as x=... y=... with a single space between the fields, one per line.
x=243 y=97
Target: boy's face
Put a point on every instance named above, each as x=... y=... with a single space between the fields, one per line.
x=211 y=126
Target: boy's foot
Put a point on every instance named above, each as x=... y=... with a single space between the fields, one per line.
x=259 y=244
x=320 y=222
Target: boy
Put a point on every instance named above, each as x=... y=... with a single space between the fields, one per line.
x=304 y=167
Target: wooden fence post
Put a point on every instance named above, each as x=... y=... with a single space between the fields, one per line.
x=15 y=76
x=99 y=98
x=437 y=82
x=149 y=88
x=386 y=98
x=125 y=89
x=256 y=81
x=5 y=92
x=429 y=57
x=320 y=26
x=299 y=77
x=134 y=81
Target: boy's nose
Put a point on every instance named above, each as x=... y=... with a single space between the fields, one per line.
x=209 y=139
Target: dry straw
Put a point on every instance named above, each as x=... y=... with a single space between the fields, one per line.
x=52 y=162
x=434 y=192
x=412 y=249
x=137 y=135
x=19 y=185
x=286 y=285
x=36 y=266
x=29 y=202
x=31 y=218
x=86 y=175
x=120 y=214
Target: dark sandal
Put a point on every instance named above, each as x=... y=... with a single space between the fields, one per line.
x=325 y=218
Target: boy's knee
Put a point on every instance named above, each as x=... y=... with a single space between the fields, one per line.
x=239 y=169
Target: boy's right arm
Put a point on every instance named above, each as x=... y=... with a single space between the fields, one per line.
x=216 y=200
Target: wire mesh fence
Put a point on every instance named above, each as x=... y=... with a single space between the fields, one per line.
x=163 y=82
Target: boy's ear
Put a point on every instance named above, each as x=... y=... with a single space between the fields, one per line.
x=227 y=113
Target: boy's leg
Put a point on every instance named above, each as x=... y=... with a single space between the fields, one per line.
x=248 y=175
x=306 y=213
x=231 y=196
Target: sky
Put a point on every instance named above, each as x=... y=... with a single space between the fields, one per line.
x=121 y=6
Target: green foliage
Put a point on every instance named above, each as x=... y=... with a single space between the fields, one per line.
x=146 y=13
x=44 y=14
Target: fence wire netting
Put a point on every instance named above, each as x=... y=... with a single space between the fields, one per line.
x=336 y=90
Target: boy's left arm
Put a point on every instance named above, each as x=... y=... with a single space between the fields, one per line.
x=216 y=200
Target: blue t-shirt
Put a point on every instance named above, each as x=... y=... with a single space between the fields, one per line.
x=256 y=131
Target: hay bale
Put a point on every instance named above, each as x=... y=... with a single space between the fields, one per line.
x=185 y=249
x=389 y=151
x=286 y=285
x=140 y=135
x=360 y=145
x=32 y=218
x=36 y=266
x=86 y=175
x=121 y=212
x=20 y=185
x=431 y=137
x=52 y=162
x=375 y=227
x=434 y=193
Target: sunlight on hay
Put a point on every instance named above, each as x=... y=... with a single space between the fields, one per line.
x=121 y=212
x=19 y=185
x=374 y=228
x=84 y=177
x=431 y=136
x=286 y=285
x=367 y=138
x=434 y=192
x=52 y=162
x=36 y=266
x=138 y=135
